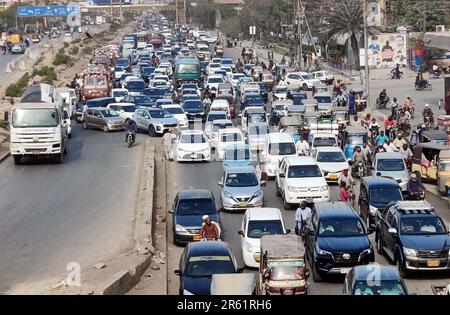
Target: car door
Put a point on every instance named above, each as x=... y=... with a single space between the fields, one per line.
x=282 y=174
x=389 y=239
x=244 y=230
x=97 y=119
x=137 y=116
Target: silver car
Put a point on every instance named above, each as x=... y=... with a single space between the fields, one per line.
x=241 y=188
x=102 y=118
x=155 y=121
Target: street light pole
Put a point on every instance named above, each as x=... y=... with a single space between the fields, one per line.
x=300 y=36
x=366 y=54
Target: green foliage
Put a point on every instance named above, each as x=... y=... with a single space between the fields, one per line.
x=87 y=50
x=47 y=73
x=66 y=45
x=74 y=51
x=77 y=41
x=61 y=59
x=17 y=89
x=61 y=51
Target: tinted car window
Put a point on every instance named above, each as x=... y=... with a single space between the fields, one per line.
x=283 y=148
x=340 y=227
x=304 y=171
x=257 y=229
x=198 y=266
x=384 y=287
x=392 y=165
x=241 y=180
x=329 y=157
x=422 y=225
x=196 y=206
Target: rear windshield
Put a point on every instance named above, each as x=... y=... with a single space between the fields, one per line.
x=391 y=165
x=127 y=109
x=193 y=138
x=283 y=148
x=257 y=229
x=196 y=207
x=231 y=137
x=324 y=142
x=213 y=117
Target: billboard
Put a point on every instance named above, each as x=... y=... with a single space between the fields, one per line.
x=387 y=50
x=53 y=10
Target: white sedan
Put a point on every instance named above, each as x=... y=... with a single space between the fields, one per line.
x=192 y=145
x=179 y=114
x=331 y=161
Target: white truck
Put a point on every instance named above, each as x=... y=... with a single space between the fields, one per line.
x=37 y=126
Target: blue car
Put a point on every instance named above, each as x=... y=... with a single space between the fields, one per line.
x=200 y=261
x=140 y=100
x=252 y=99
x=123 y=63
x=135 y=86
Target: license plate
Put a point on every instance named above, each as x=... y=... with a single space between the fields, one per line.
x=433 y=263
x=345 y=270
x=333 y=177
x=243 y=204
x=197 y=237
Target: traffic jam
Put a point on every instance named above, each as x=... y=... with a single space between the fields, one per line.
x=353 y=184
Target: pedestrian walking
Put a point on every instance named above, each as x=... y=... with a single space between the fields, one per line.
x=167 y=141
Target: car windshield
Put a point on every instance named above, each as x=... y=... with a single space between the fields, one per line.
x=187 y=68
x=217 y=127
x=340 y=227
x=330 y=157
x=307 y=77
x=215 y=80
x=256 y=118
x=301 y=171
x=197 y=207
x=241 y=180
x=142 y=99
x=204 y=266
x=422 y=225
x=282 y=148
x=108 y=113
x=384 y=195
x=193 y=105
x=24 y=118
x=257 y=228
x=379 y=287
x=187 y=92
x=237 y=154
x=356 y=139
x=280 y=90
x=175 y=110
x=193 y=138
x=160 y=114
x=136 y=85
x=231 y=137
x=120 y=93
x=258 y=130
x=390 y=165
x=118 y=69
x=254 y=99
x=126 y=109
x=286 y=270
x=323 y=99
x=212 y=117
x=324 y=142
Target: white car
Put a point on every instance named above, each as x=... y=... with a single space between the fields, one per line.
x=192 y=145
x=212 y=67
x=227 y=137
x=300 y=179
x=166 y=66
x=179 y=114
x=277 y=145
x=160 y=84
x=162 y=77
x=125 y=110
x=228 y=70
x=256 y=223
x=212 y=116
x=324 y=77
x=322 y=140
x=128 y=79
x=279 y=92
x=256 y=135
x=331 y=161
x=118 y=71
x=300 y=80
x=167 y=48
x=220 y=105
x=216 y=60
x=213 y=81
x=119 y=94
x=235 y=79
x=155 y=121
x=217 y=125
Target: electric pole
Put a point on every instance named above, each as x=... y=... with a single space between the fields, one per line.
x=299 y=32
x=366 y=53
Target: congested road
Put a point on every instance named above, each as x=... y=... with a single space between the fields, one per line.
x=205 y=175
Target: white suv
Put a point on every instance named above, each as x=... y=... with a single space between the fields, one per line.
x=300 y=80
x=277 y=146
x=300 y=179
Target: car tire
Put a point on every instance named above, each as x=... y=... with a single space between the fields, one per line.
x=277 y=189
x=59 y=158
x=17 y=159
x=305 y=87
x=401 y=269
x=286 y=205
x=85 y=126
x=317 y=276
x=429 y=87
x=151 y=131
x=379 y=244
x=105 y=128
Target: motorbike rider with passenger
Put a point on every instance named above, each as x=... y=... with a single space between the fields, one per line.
x=383 y=98
x=389 y=124
x=427 y=113
x=130 y=126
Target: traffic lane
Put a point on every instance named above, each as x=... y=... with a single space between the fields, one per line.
x=79 y=211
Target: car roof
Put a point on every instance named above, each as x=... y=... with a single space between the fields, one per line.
x=240 y=169
x=238 y=146
x=171 y=106
x=301 y=160
x=328 y=149
x=389 y=155
x=259 y=214
x=195 y=194
x=384 y=272
x=192 y=132
x=217 y=112
x=211 y=248
x=372 y=181
x=335 y=209
x=280 y=137
x=222 y=121
x=121 y=104
x=413 y=206
x=231 y=130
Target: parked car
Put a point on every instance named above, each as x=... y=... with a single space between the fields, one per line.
x=199 y=261
x=337 y=240
x=413 y=236
x=102 y=118
x=188 y=208
x=154 y=121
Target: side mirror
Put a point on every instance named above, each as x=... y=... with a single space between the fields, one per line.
x=241 y=233
x=392 y=231
x=263 y=183
x=178 y=272
x=171 y=211
x=220 y=184
x=288 y=231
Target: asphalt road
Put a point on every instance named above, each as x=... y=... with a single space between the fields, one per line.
x=79 y=211
x=205 y=175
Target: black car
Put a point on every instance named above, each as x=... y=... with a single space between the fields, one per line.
x=200 y=261
x=188 y=208
x=375 y=193
x=374 y=279
x=140 y=100
x=298 y=96
x=413 y=236
x=337 y=240
x=194 y=109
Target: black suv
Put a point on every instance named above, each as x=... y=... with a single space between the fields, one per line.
x=337 y=240
x=413 y=236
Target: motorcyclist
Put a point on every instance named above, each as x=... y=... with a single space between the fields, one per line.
x=239 y=65
x=420 y=82
x=130 y=126
x=381 y=138
x=341 y=100
x=394 y=106
x=303 y=216
x=396 y=72
x=346 y=177
x=389 y=124
x=428 y=113
x=302 y=146
x=357 y=157
x=367 y=153
x=383 y=98
x=414 y=185
x=209 y=229
x=399 y=141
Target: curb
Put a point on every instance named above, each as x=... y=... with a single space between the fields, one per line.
x=4 y=156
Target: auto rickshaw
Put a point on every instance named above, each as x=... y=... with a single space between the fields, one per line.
x=353 y=136
x=340 y=114
x=360 y=100
x=282 y=268
x=435 y=136
x=431 y=162
x=234 y=284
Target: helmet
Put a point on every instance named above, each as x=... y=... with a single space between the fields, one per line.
x=413 y=177
x=423 y=126
x=426 y=105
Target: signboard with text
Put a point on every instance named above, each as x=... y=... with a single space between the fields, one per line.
x=53 y=10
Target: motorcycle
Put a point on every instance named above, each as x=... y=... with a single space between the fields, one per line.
x=424 y=87
x=382 y=105
x=436 y=74
x=360 y=169
x=416 y=196
x=392 y=75
x=428 y=121
x=130 y=138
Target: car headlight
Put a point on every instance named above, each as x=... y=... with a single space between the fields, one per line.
x=257 y=194
x=373 y=210
x=324 y=188
x=409 y=252
x=180 y=228
x=321 y=251
x=227 y=194
x=186 y=292
x=292 y=189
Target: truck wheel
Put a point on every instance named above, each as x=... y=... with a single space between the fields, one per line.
x=18 y=159
x=59 y=158
x=151 y=131
x=105 y=128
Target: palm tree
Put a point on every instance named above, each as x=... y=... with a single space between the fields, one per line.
x=346 y=17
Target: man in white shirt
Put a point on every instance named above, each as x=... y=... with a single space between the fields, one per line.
x=302 y=217
x=302 y=146
x=399 y=141
x=389 y=146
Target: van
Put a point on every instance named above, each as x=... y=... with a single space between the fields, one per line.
x=276 y=147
